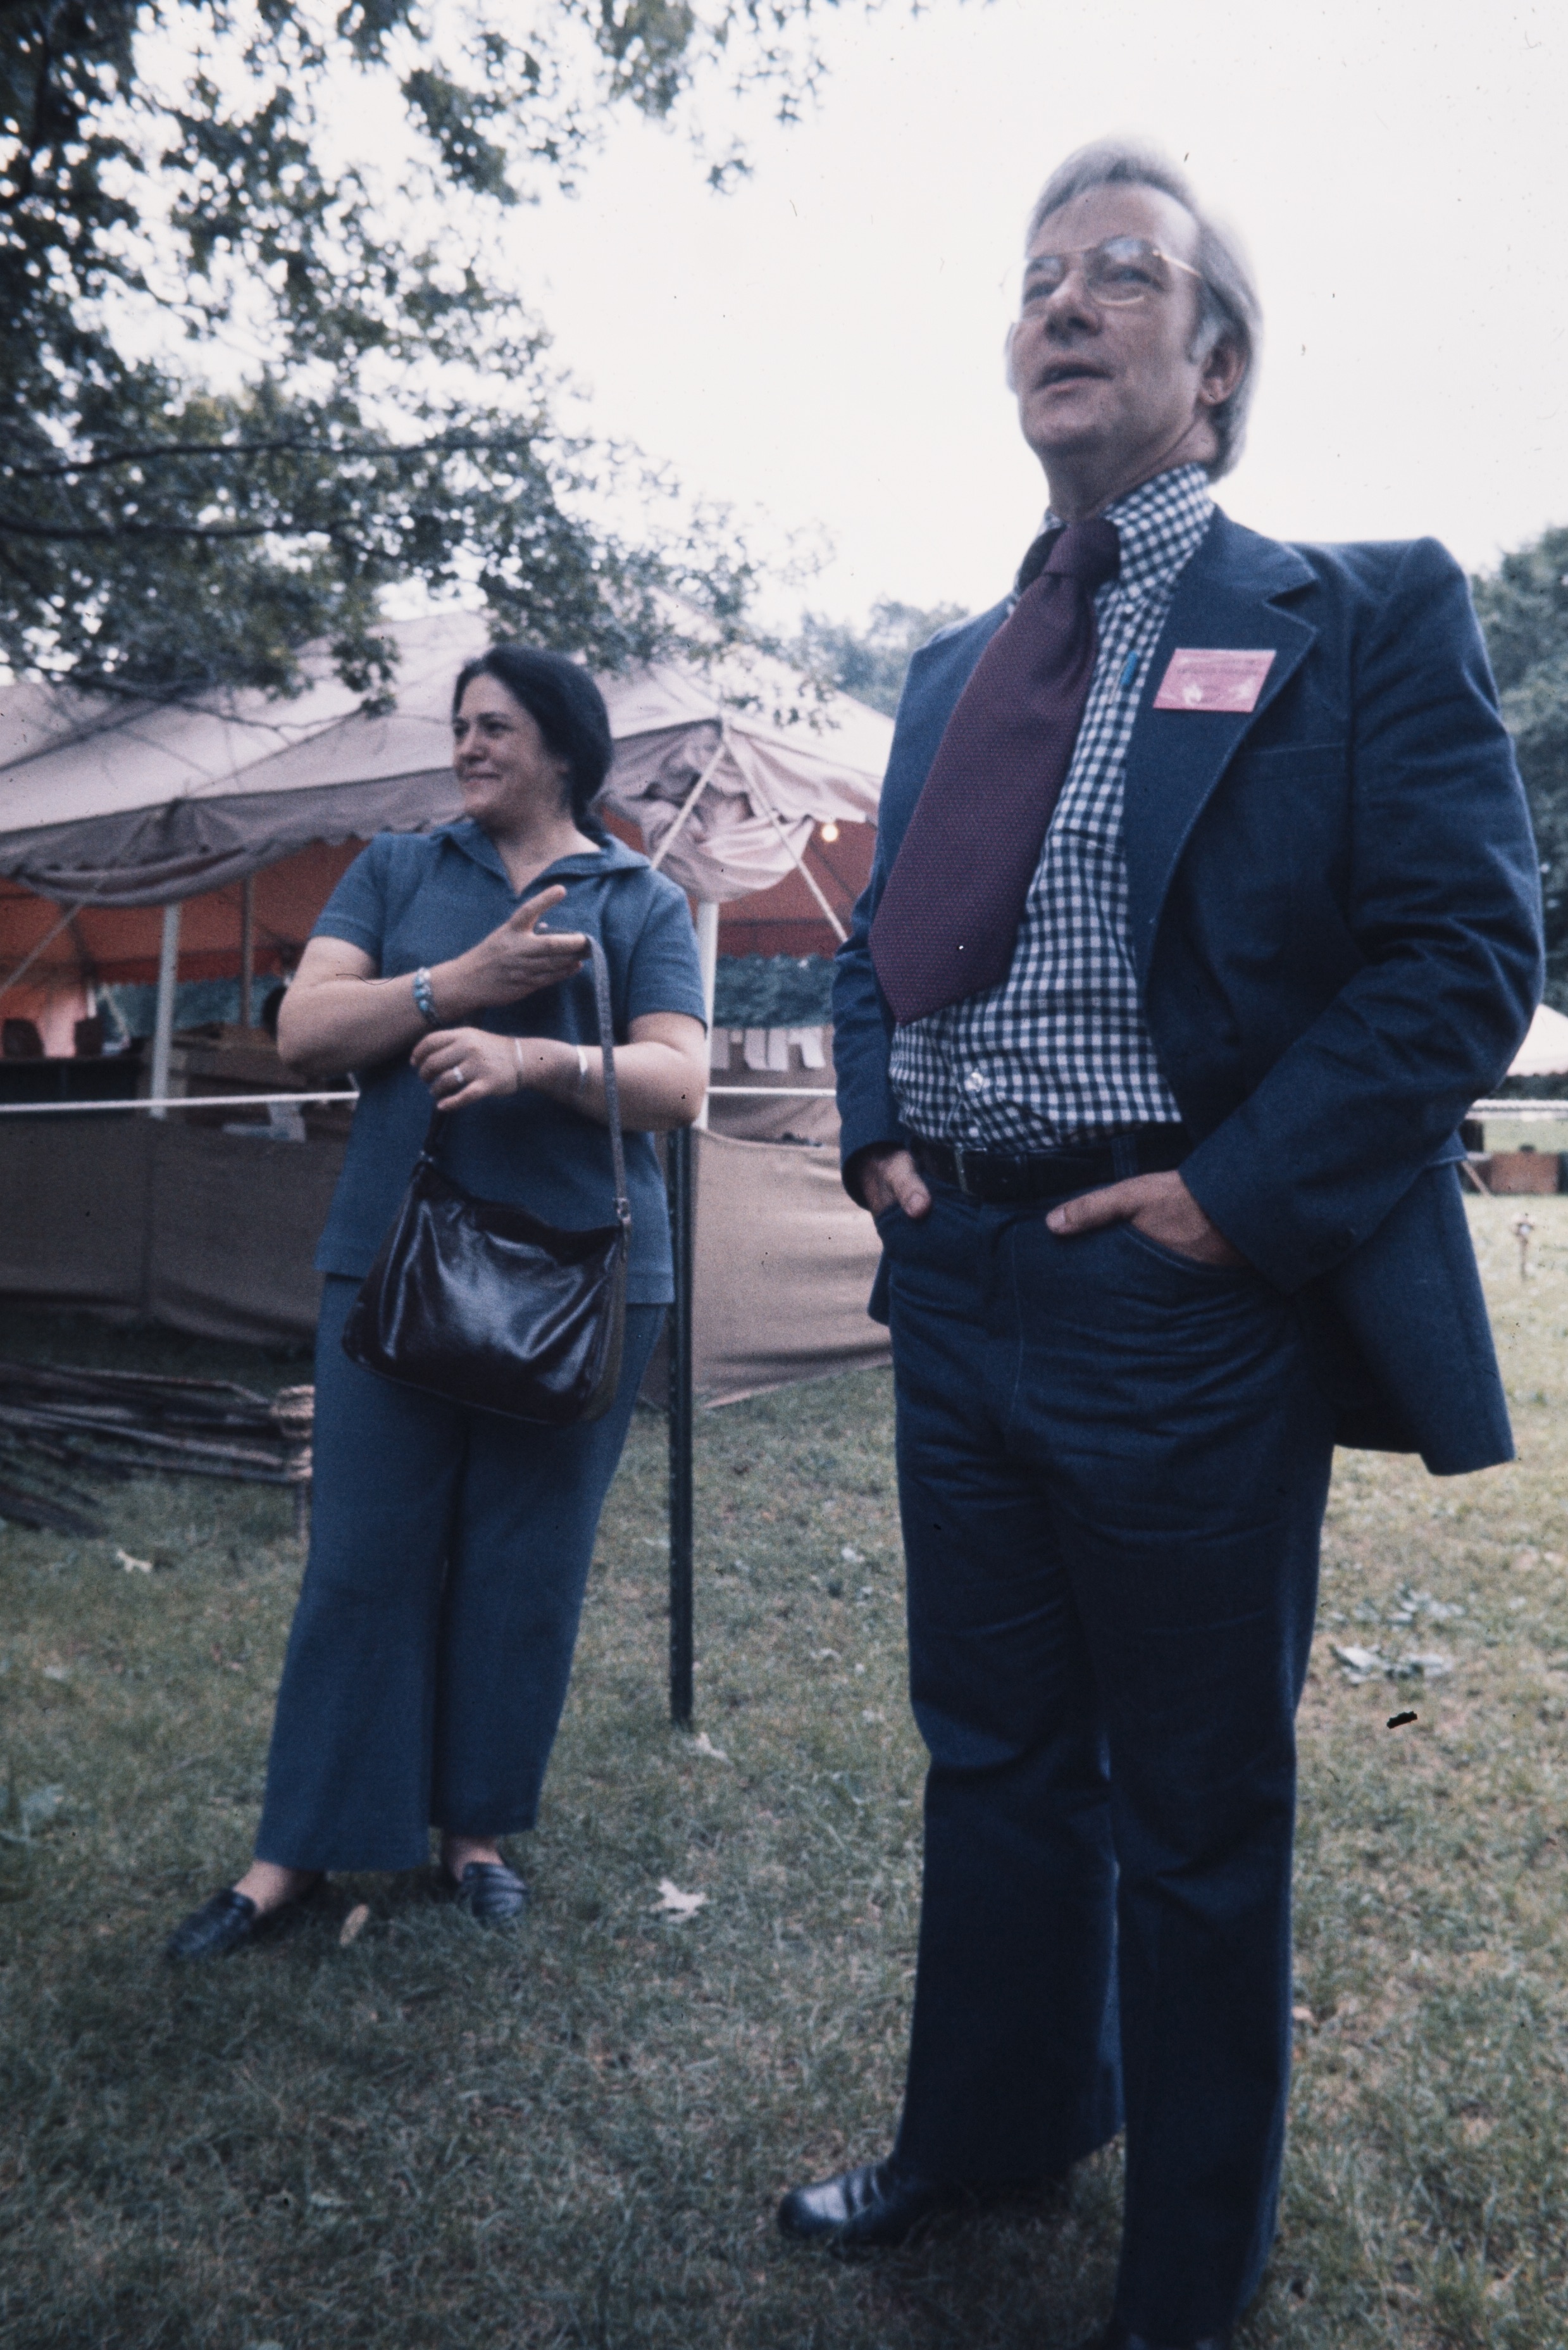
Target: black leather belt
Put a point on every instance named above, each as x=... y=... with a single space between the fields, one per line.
x=1004 y=1182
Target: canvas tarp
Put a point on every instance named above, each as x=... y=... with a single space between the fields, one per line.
x=192 y=1228
x=119 y=802
x=214 y=1233
x=784 y=1264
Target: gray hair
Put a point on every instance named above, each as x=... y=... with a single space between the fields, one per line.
x=1229 y=308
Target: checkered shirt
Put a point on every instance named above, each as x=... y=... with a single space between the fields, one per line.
x=1058 y=1051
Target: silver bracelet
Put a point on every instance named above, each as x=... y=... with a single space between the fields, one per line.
x=424 y=998
x=582 y=1069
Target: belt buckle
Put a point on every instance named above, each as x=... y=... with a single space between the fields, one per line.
x=959 y=1169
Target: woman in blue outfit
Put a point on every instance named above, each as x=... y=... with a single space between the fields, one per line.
x=430 y=1650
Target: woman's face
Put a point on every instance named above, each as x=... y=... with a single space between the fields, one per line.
x=507 y=775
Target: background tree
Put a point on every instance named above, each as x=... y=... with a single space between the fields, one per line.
x=870 y=662
x=254 y=374
x=1524 y=609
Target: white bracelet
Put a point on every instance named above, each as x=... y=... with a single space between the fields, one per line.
x=517 y=1056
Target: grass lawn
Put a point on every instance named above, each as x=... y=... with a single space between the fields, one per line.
x=575 y=2134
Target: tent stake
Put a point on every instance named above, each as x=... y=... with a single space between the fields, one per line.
x=680 y=1164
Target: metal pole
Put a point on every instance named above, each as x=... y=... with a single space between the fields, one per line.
x=247 y=946
x=163 y=1018
x=708 y=959
x=681 y=1166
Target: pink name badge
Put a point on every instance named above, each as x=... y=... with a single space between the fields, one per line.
x=1205 y=679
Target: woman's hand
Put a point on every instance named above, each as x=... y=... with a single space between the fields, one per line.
x=518 y=959
x=467 y=1064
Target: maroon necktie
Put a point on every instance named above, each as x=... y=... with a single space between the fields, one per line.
x=949 y=917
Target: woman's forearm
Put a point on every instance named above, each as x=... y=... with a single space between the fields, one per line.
x=659 y=1085
x=330 y=1023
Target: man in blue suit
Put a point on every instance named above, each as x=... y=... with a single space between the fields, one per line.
x=1205 y=903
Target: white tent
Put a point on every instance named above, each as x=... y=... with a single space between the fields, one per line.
x=1544 y=1052
x=124 y=803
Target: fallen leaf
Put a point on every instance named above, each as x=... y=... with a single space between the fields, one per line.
x=676 y=1903
x=704 y=1744
x=354 y=1924
x=1303 y=2015
x=133 y=1566
x=851 y=1556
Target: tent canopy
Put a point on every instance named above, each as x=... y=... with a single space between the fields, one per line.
x=1544 y=1052
x=118 y=803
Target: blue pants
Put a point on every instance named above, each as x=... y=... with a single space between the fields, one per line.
x=432 y=1643
x=1113 y=1467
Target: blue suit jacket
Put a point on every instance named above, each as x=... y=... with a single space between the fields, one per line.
x=1334 y=912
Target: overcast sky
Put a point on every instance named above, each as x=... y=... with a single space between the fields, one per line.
x=825 y=346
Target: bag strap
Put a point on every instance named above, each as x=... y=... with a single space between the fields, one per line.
x=612 y=1091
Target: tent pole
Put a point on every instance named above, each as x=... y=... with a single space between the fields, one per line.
x=690 y=802
x=680 y=1164
x=247 y=946
x=163 y=1018
x=801 y=867
x=708 y=957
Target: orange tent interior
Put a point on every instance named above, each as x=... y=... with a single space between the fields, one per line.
x=106 y=946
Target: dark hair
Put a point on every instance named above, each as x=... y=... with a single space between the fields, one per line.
x=568 y=709
x=1228 y=307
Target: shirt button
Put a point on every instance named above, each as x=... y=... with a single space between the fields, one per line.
x=975 y=1082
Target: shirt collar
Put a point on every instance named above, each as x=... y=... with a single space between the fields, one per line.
x=474 y=842
x=1161 y=525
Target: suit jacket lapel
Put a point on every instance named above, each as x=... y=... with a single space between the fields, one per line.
x=1176 y=757
x=937 y=676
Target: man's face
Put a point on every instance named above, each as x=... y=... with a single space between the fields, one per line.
x=1097 y=384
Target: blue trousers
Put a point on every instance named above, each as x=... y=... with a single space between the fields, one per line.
x=1113 y=1467
x=432 y=1643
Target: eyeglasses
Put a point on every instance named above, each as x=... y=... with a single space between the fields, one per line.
x=1122 y=271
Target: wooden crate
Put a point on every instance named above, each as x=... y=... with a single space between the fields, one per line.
x=1522 y=1171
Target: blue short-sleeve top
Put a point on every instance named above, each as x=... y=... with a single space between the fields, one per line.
x=422 y=898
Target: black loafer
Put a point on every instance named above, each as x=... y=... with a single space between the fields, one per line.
x=488 y=1890
x=875 y=2203
x=227 y=1922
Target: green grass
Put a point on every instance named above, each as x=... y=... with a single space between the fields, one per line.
x=577 y=2135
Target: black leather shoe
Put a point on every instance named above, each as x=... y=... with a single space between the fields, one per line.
x=230 y=1921
x=872 y=2204
x=227 y=1922
x=488 y=1890
x=1117 y=2336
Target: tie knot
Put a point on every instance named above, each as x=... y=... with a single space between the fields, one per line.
x=1089 y=552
